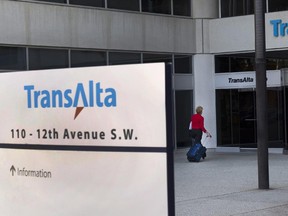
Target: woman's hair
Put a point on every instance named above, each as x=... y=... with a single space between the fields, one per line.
x=199 y=109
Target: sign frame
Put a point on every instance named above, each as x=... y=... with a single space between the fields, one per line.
x=168 y=149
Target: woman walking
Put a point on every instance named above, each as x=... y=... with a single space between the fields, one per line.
x=197 y=126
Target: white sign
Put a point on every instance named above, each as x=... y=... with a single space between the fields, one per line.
x=86 y=141
x=241 y=80
x=82 y=183
x=97 y=106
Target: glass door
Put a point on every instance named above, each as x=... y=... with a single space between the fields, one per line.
x=183 y=111
x=246 y=112
x=237 y=120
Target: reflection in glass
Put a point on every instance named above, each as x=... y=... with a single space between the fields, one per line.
x=277 y=5
x=54 y=1
x=118 y=58
x=224 y=64
x=132 y=5
x=93 y=3
x=47 y=58
x=150 y=58
x=231 y=8
x=12 y=58
x=181 y=7
x=183 y=64
x=157 y=6
x=80 y=58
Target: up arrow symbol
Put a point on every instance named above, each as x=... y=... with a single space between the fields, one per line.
x=12 y=169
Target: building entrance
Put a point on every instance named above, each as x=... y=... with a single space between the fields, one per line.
x=236 y=117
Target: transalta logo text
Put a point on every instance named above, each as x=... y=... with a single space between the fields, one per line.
x=90 y=95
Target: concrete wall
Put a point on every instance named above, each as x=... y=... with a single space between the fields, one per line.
x=236 y=34
x=232 y=34
x=40 y=24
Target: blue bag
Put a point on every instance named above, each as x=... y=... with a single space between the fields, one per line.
x=196 y=152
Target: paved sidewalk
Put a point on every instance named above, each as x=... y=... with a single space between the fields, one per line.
x=227 y=184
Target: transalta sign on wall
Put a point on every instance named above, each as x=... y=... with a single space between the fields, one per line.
x=241 y=80
x=85 y=141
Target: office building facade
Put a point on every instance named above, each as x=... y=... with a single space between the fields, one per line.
x=210 y=44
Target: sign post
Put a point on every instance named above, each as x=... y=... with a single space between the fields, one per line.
x=261 y=95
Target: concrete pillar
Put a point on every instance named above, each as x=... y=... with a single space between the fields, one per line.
x=204 y=93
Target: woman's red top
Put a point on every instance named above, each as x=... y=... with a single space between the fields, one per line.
x=198 y=122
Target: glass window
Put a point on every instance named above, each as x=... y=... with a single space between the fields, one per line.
x=225 y=8
x=12 y=58
x=81 y=58
x=157 y=6
x=237 y=8
x=231 y=8
x=277 y=5
x=182 y=7
x=222 y=64
x=132 y=5
x=276 y=64
x=93 y=3
x=234 y=64
x=47 y=58
x=117 y=58
x=150 y=58
x=183 y=64
x=249 y=7
x=55 y=1
x=242 y=64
